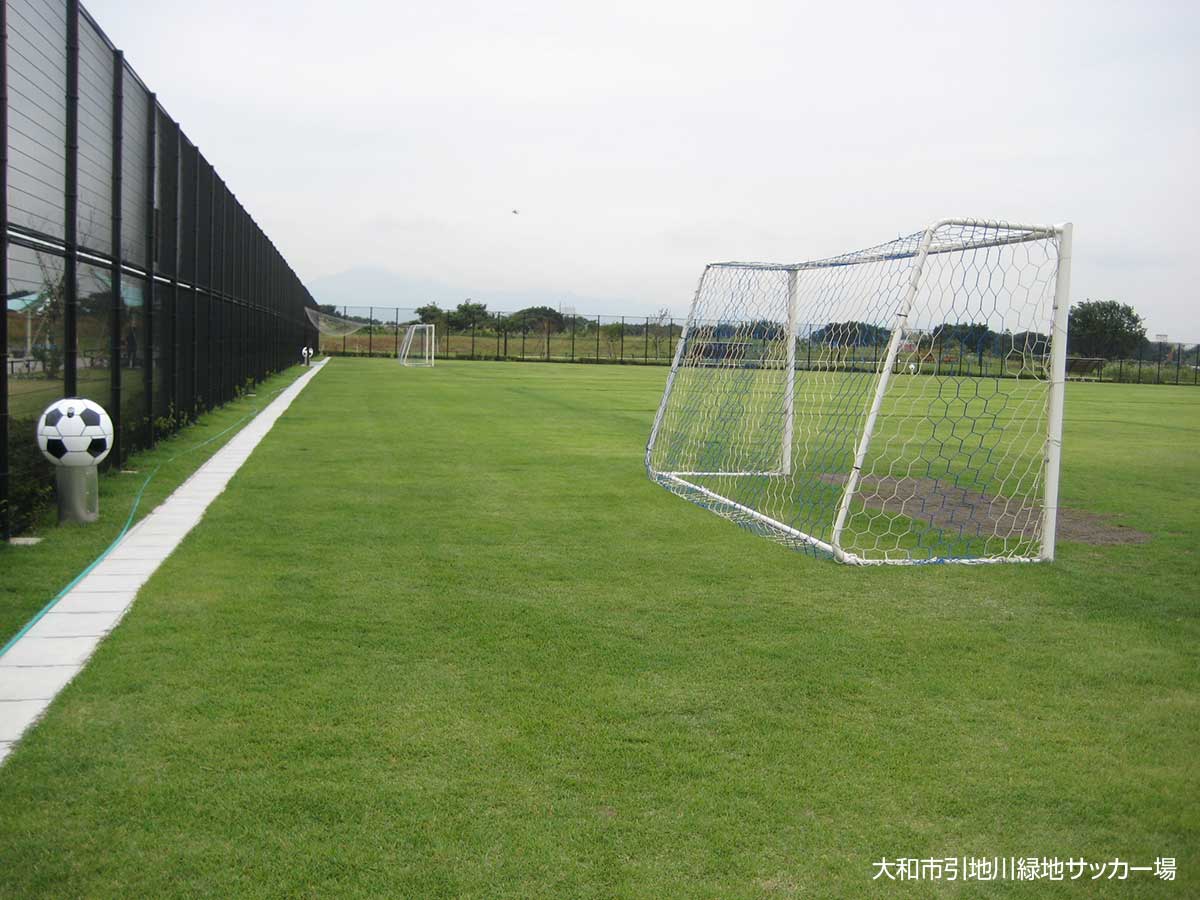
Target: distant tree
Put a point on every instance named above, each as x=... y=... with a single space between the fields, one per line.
x=430 y=314
x=613 y=333
x=971 y=337
x=661 y=331
x=468 y=314
x=850 y=334
x=47 y=312
x=535 y=318
x=1105 y=328
x=580 y=324
x=766 y=330
x=329 y=309
x=1029 y=342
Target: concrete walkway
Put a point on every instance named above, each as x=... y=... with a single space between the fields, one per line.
x=54 y=650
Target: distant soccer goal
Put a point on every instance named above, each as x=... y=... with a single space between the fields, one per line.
x=416 y=349
x=1085 y=368
x=900 y=404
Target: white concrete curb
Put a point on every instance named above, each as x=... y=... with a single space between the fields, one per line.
x=53 y=651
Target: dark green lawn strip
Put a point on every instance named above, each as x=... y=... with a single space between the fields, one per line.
x=31 y=576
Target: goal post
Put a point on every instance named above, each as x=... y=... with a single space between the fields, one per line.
x=900 y=404
x=789 y=384
x=416 y=348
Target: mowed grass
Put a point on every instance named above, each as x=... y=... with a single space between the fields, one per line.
x=31 y=576
x=441 y=637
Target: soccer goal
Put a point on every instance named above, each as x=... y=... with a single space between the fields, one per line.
x=1085 y=368
x=416 y=349
x=900 y=404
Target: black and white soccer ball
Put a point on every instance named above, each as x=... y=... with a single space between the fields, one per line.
x=74 y=432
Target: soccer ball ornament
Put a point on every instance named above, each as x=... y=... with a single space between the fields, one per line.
x=74 y=432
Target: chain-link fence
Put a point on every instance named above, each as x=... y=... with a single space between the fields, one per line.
x=1154 y=362
x=651 y=340
x=521 y=336
x=133 y=276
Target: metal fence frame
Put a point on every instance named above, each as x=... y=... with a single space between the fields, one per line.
x=190 y=302
x=650 y=340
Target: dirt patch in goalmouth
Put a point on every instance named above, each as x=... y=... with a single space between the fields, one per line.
x=1095 y=528
x=949 y=507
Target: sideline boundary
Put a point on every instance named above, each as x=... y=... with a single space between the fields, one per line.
x=57 y=645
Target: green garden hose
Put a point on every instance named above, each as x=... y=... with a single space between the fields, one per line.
x=137 y=499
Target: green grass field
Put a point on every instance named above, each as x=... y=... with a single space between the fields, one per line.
x=29 y=577
x=442 y=638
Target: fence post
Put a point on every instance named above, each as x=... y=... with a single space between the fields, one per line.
x=646 y=341
x=345 y=314
x=191 y=401
x=573 y=318
x=370 y=332
x=214 y=301
x=272 y=310
x=260 y=300
x=506 y=342
x=396 y=329
x=497 y=336
x=151 y=266
x=524 y=328
x=622 y=339
x=169 y=176
x=243 y=306
x=597 y=339
x=118 y=101
x=71 y=207
x=1178 y=361
x=220 y=328
x=244 y=292
x=5 y=514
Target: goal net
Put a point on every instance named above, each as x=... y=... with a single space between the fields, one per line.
x=334 y=326
x=900 y=404
x=416 y=349
x=1085 y=368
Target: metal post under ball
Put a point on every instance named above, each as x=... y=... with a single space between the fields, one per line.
x=78 y=494
x=75 y=435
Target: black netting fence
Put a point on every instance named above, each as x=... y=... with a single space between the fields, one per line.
x=133 y=276
x=547 y=335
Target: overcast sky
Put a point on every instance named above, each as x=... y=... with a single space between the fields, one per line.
x=640 y=140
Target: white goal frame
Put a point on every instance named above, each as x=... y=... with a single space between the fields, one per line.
x=423 y=337
x=1085 y=368
x=971 y=236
